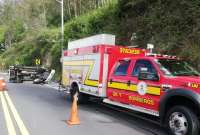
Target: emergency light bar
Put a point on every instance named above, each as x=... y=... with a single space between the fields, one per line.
x=91 y=41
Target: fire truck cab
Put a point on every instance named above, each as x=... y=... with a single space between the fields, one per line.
x=160 y=85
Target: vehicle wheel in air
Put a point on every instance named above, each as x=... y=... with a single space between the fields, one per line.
x=181 y=120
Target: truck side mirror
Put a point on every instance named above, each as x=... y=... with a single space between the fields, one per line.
x=144 y=75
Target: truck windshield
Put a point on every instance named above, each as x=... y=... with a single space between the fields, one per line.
x=176 y=68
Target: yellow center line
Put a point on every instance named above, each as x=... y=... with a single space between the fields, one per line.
x=19 y=121
x=9 y=123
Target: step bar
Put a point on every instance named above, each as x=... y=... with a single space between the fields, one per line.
x=132 y=107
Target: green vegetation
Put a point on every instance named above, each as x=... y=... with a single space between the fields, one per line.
x=40 y=46
x=45 y=43
x=172 y=26
x=99 y=21
x=2 y=31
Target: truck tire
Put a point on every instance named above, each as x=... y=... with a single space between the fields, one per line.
x=181 y=120
x=82 y=98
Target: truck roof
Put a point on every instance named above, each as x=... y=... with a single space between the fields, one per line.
x=104 y=48
x=105 y=43
x=119 y=51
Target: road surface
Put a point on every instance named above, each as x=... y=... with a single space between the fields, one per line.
x=41 y=110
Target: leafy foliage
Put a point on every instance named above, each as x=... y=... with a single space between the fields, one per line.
x=2 y=31
x=172 y=26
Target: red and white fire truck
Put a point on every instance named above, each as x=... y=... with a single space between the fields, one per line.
x=134 y=78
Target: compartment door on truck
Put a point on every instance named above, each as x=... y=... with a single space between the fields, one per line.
x=91 y=73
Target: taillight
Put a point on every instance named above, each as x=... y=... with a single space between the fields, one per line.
x=95 y=49
x=65 y=53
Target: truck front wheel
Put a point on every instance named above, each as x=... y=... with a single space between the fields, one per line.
x=181 y=120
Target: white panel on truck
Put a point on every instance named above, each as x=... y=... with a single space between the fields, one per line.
x=102 y=91
x=92 y=41
x=85 y=70
x=94 y=75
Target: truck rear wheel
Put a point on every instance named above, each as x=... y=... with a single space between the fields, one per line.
x=181 y=120
x=82 y=98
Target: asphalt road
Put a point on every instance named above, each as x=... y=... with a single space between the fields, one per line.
x=43 y=111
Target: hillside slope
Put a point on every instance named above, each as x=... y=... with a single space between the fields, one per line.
x=172 y=26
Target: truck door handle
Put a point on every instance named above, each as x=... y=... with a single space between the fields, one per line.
x=110 y=81
x=129 y=83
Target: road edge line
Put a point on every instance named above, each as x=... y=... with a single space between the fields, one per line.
x=9 y=122
x=16 y=115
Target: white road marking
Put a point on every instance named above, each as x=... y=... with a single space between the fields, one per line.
x=9 y=123
x=50 y=86
x=19 y=121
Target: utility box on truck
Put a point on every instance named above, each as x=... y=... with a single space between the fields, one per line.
x=89 y=66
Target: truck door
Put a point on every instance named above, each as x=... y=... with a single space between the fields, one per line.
x=147 y=91
x=119 y=81
x=125 y=87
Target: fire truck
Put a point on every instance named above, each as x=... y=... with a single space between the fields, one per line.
x=160 y=85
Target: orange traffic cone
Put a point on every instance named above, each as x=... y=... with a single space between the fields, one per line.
x=2 y=84
x=74 y=119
